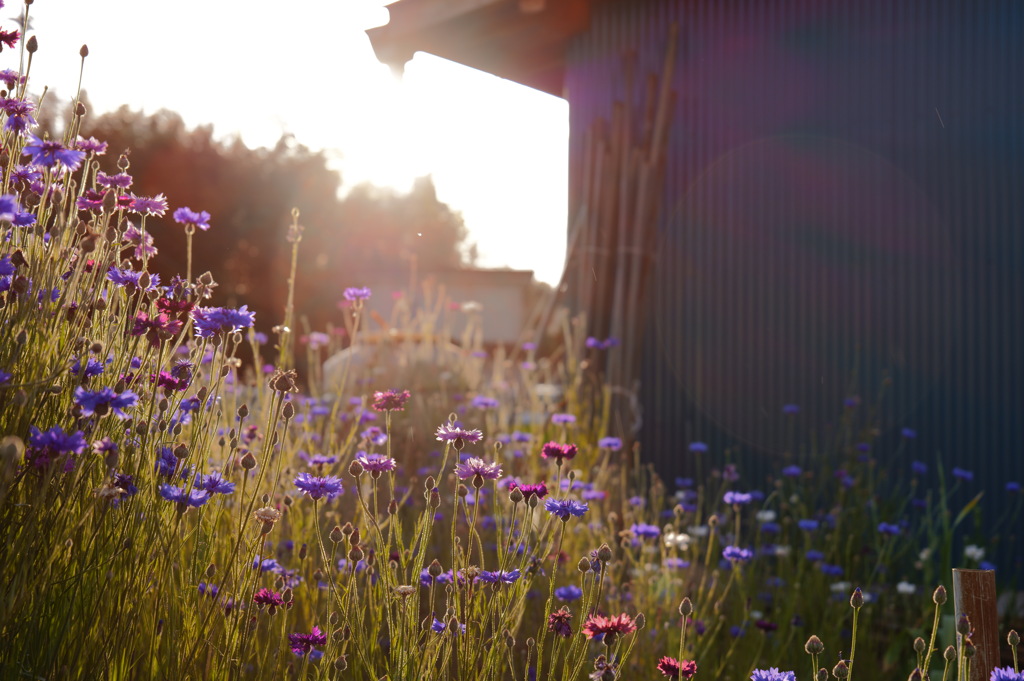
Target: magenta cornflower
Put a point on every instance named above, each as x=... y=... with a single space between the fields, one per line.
x=265 y=597
x=9 y=38
x=187 y=216
x=91 y=145
x=390 y=400
x=449 y=432
x=302 y=644
x=558 y=452
x=674 y=669
x=473 y=467
x=354 y=293
x=558 y=622
x=318 y=487
x=376 y=463
x=540 y=490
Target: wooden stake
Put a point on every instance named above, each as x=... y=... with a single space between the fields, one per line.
x=974 y=595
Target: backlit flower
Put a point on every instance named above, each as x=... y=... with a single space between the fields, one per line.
x=474 y=466
x=187 y=216
x=49 y=153
x=376 y=463
x=449 y=432
x=302 y=644
x=318 y=487
x=619 y=625
x=772 y=674
x=558 y=622
x=390 y=400
x=563 y=508
x=674 y=669
x=194 y=497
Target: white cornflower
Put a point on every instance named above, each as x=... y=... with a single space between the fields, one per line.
x=974 y=552
x=905 y=588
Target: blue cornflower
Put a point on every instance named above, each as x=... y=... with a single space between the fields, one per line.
x=563 y=508
x=7 y=268
x=961 y=474
x=127 y=483
x=888 y=528
x=8 y=211
x=499 y=577
x=4 y=376
x=736 y=554
x=209 y=321
x=698 y=447
x=645 y=531
x=104 y=400
x=439 y=627
x=214 y=483
x=808 y=524
x=772 y=674
x=831 y=570
x=562 y=419
x=166 y=462
x=677 y=563
x=129 y=277
x=637 y=501
x=1010 y=486
x=814 y=555
x=49 y=153
x=19 y=114
x=612 y=443
x=318 y=487
x=908 y=433
x=919 y=468
x=45 y=444
x=93 y=367
x=482 y=402
x=1005 y=674
x=792 y=471
x=194 y=497
x=737 y=498
x=568 y=593
x=791 y=409
x=354 y=293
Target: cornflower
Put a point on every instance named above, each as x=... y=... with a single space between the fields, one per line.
x=540 y=490
x=119 y=180
x=675 y=669
x=568 y=593
x=46 y=445
x=772 y=674
x=612 y=443
x=645 y=531
x=376 y=463
x=187 y=216
x=558 y=452
x=91 y=145
x=144 y=205
x=563 y=508
x=609 y=627
x=49 y=153
x=356 y=293
x=214 y=483
x=302 y=644
x=558 y=622
x=318 y=487
x=499 y=577
x=737 y=498
x=103 y=401
x=735 y=554
x=458 y=436
x=265 y=597
x=479 y=470
x=19 y=114
x=390 y=400
x=562 y=419
x=209 y=321
x=194 y=497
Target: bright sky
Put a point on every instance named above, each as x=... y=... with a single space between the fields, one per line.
x=497 y=150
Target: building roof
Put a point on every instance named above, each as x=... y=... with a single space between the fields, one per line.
x=521 y=40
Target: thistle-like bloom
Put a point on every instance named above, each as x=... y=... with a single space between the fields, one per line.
x=390 y=400
x=302 y=644
x=214 y=483
x=194 y=497
x=619 y=625
x=318 y=487
x=558 y=622
x=674 y=669
x=563 y=508
x=9 y=38
x=449 y=432
x=558 y=452
x=10 y=78
x=540 y=490
x=49 y=153
x=209 y=321
x=473 y=466
x=376 y=463
x=772 y=674
x=735 y=554
x=187 y=216
x=354 y=293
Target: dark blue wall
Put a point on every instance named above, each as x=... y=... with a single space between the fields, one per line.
x=844 y=200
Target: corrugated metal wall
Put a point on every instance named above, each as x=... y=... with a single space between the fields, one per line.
x=844 y=201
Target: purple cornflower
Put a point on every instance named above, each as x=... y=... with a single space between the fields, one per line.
x=499 y=577
x=91 y=145
x=119 y=180
x=540 y=490
x=10 y=78
x=143 y=242
x=792 y=471
x=303 y=644
x=166 y=462
x=919 y=468
x=772 y=674
x=390 y=400
x=735 y=554
x=265 y=597
x=8 y=208
x=562 y=419
x=737 y=498
x=49 y=153
x=44 y=446
x=558 y=622
x=209 y=321
x=130 y=278
x=439 y=627
x=214 y=483
x=563 y=508
x=376 y=463
x=888 y=528
x=105 y=400
x=19 y=114
x=612 y=443
x=698 y=447
x=474 y=467
x=356 y=293
x=318 y=487
x=194 y=498
x=808 y=524
x=482 y=402
x=961 y=474
x=90 y=200
x=645 y=531
x=449 y=432
x=1005 y=674
x=93 y=367
x=187 y=216
x=124 y=481
x=144 y=205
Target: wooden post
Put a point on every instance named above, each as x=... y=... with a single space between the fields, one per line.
x=974 y=595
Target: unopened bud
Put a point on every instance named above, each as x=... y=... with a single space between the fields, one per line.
x=355 y=554
x=939 y=595
x=1013 y=638
x=80 y=110
x=713 y=521
x=288 y=411
x=435 y=499
x=841 y=671
x=181 y=451
x=392 y=507
x=248 y=461
x=970 y=650
x=915 y=675
x=515 y=496
x=243 y=411
x=336 y=535
x=814 y=646
x=949 y=654
x=604 y=553
x=583 y=565
x=84 y=52
x=32 y=45
x=355 y=469
x=341 y=663
x=822 y=675
x=303 y=550
x=686 y=607
x=963 y=625
x=857 y=599
x=919 y=645
x=211 y=570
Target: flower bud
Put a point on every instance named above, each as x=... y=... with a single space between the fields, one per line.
x=392 y=507
x=939 y=595
x=814 y=646
x=963 y=625
x=915 y=675
x=515 y=496
x=355 y=469
x=604 y=553
x=713 y=521
x=857 y=599
x=243 y=411
x=288 y=411
x=303 y=550
x=32 y=45
x=919 y=645
x=822 y=675
x=841 y=670
x=686 y=607
x=84 y=51
x=583 y=565
x=435 y=499
x=435 y=569
x=970 y=650
x=336 y=535
x=248 y=461
x=341 y=663
x=355 y=554
x=949 y=654
x=1013 y=638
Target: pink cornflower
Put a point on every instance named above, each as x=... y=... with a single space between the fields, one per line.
x=558 y=452
x=674 y=669
x=609 y=627
x=390 y=400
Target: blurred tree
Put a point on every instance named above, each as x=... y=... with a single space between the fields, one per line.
x=250 y=194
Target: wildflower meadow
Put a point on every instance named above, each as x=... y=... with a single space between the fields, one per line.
x=178 y=501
